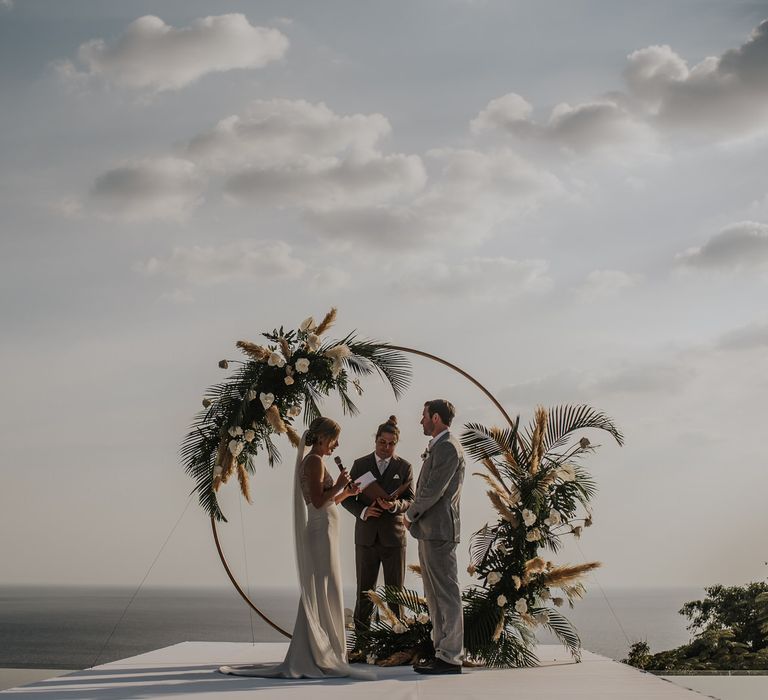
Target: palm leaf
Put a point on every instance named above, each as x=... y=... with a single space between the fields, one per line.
x=480 y=544
x=564 y=630
x=486 y=443
x=564 y=420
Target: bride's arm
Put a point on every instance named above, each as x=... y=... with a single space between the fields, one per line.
x=318 y=495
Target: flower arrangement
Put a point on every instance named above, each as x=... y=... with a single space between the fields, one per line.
x=541 y=493
x=279 y=380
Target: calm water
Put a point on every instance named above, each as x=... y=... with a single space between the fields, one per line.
x=67 y=627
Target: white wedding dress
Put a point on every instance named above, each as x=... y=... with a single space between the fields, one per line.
x=318 y=647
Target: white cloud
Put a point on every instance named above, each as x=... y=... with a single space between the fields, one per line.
x=599 y=124
x=279 y=132
x=746 y=338
x=243 y=260
x=331 y=183
x=7 y=4
x=153 y=188
x=658 y=377
x=473 y=194
x=152 y=55
x=725 y=94
x=738 y=246
x=477 y=278
x=601 y=284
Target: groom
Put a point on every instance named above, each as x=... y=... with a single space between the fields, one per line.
x=433 y=519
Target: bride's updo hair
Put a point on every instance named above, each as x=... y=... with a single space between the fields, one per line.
x=322 y=427
x=389 y=426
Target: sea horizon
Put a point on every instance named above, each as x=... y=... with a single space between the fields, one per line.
x=72 y=626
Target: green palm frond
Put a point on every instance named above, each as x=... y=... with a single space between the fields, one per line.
x=483 y=443
x=408 y=598
x=564 y=420
x=480 y=545
x=564 y=630
x=369 y=356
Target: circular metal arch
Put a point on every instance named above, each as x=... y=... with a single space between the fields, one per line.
x=411 y=351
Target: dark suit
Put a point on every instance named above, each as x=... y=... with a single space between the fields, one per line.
x=379 y=541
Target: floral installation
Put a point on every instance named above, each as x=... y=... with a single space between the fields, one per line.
x=541 y=494
x=287 y=376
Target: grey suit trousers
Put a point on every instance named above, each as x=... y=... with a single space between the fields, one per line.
x=439 y=571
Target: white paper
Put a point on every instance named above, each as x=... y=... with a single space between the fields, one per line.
x=365 y=480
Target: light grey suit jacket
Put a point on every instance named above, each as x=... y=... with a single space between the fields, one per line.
x=434 y=513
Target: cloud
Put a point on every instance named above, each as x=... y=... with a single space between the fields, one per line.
x=745 y=338
x=152 y=55
x=601 y=284
x=280 y=132
x=243 y=260
x=280 y=153
x=722 y=95
x=473 y=193
x=153 y=188
x=660 y=377
x=588 y=126
x=7 y=4
x=738 y=246
x=478 y=278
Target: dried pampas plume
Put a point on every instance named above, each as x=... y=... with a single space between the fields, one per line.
x=563 y=576
x=255 y=352
x=386 y=613
x=327 y=322
x=293 y=436
x=499 y=627
x=537 y=439
x=275 y=420
x=242 y=477
x=491 y=467
x=502 y=509
x=285 y=348
x=415 y=568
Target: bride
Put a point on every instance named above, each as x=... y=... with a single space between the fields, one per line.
x=318 y=647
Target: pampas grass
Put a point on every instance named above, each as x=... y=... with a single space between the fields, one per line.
x=242 y=477
x=275 y=420
x=384 y=609
x=537 y=439
x=327 y=322
x=255 y=352
x=564 y=576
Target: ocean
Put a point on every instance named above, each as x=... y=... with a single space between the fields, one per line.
x=69 y=627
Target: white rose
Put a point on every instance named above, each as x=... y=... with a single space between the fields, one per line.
x=276 y=360
x=252 y=395
x=249 y=435
x=553 y=519
x=521 y=606
x=370 y=659
x=235 y=431
x=422 y=618
x=529 y=517
x=302 y=365
x=294 y=410
x=493 y=578
x=313 y=342
x=399 y=628
x=266 y=399
x=517 y=581
x=235 y=447
x=307 y=324
x=501 y=601
x=533 y=535
x=289 y=380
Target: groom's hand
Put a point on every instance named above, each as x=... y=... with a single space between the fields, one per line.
x=384 y=504
x=373 y=511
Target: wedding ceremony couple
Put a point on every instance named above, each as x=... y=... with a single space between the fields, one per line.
x=378 y=492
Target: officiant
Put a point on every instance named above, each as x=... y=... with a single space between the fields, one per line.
x=380 y=537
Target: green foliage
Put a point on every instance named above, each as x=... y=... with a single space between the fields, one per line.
x=514 y=595
x=235 y=404
x=730 y=633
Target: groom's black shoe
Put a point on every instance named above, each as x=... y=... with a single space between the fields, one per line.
x=437 y=667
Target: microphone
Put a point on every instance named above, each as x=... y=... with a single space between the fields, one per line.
x=337 y=459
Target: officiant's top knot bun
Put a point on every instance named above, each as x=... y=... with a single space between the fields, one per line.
x=390 y=426
x=322 y=427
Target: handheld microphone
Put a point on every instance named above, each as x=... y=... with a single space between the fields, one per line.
x=337 y=459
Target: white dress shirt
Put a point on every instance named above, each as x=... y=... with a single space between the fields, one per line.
x=382 y=464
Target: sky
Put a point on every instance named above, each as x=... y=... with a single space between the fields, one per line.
x=569 y=200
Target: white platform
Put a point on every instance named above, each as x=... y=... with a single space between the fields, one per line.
x=188 y=670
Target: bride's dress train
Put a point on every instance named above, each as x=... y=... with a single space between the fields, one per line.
x=318 y=647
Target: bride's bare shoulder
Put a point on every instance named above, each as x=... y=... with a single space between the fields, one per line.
x=313 y=464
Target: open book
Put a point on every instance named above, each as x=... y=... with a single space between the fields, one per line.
x=373 y=489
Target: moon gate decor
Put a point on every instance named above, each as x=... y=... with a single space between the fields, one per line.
x=264 y=397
